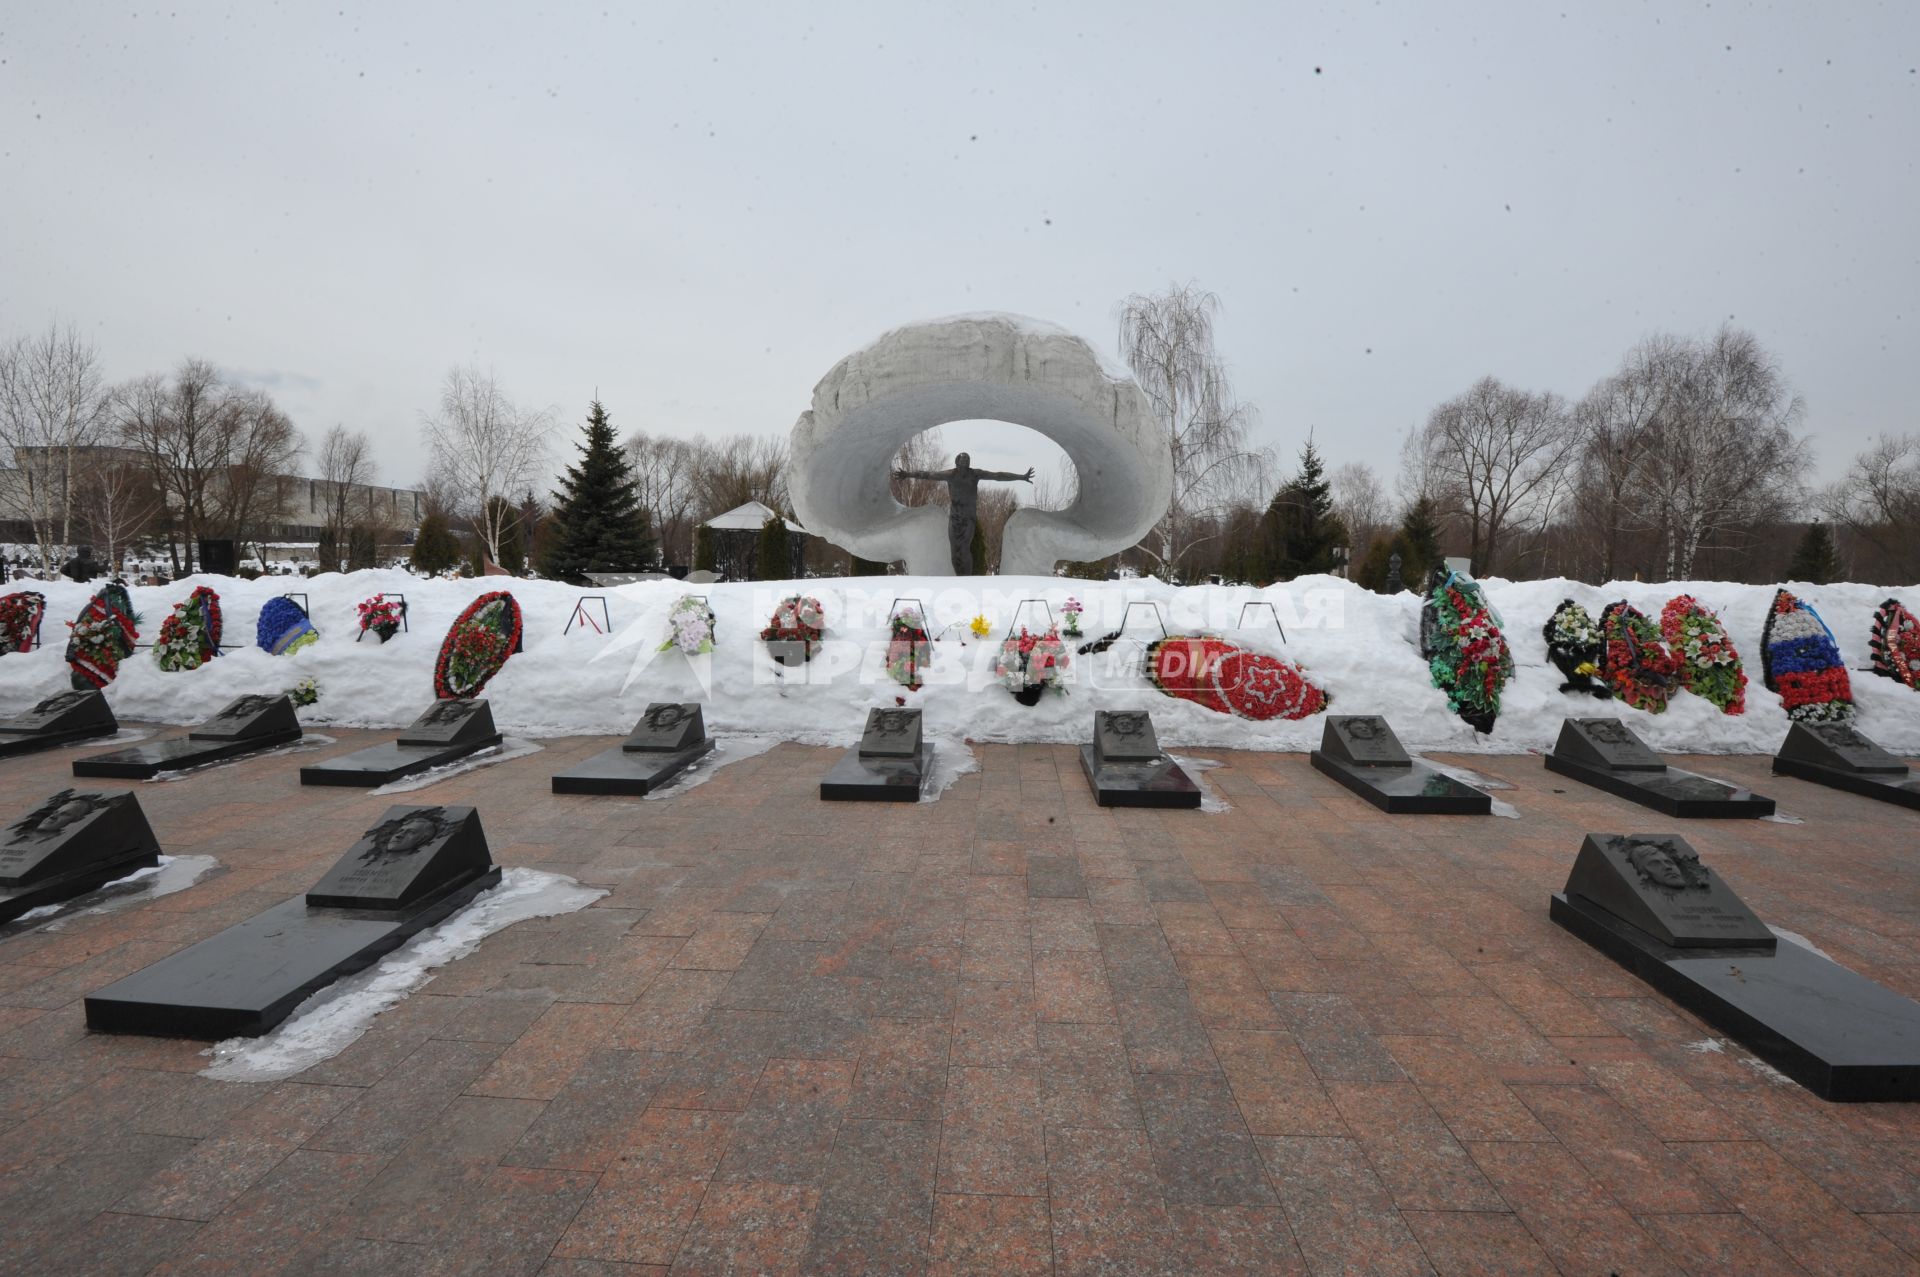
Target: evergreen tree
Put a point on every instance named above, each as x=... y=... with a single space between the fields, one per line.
x=435 y=548
x=1300 y=529
x=772 y=558
x=328 y=551
x=363 y=548
x=1815 y=560
x=1421 y=529
x=601 y=527
x=705 y=556
x=1373 y=571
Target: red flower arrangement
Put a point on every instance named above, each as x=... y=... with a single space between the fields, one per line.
x=1231 y=680
x=1709 y=666
x=102 y=636
x=1635 y=663
x=1800 y=661
x=190 y=636
x=382 y=615
x=1894 y=641
x=1467 y=655
x=477 y=645
x=20 y=617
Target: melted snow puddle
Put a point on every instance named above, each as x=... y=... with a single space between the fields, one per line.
x=305 y=744
x=509 y=747
x=1782 y=818
x=1210 y=800
x=125 y=736
x=334 y=1018
x=730 y=748
x=1803 y=942
x=173 y=873
x=1476 y=781
x=1718 y=1046
x=951 y=760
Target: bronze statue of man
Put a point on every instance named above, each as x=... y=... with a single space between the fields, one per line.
x=963 y=503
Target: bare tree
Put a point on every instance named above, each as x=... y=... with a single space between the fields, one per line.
x=1615 y=421
x=1721 y=451
x=52 y=405
x=116 y=503
x=924 y=452
x=1494 y=453
x=663 y=480
x=345 y=464
x=258 y=445
x=1878 y=502
x=1167 y=340
x=485 y=446
x=1360 y=499
x=180 y=428
x=733 y=471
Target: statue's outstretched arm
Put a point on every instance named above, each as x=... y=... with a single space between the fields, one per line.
x=936 y=475
x=1005 y=477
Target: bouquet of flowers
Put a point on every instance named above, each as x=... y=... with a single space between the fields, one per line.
x=1641 y=670
x=305 y=692
x=1072 y=609
x=689 y=625
x=1573 y=645
x=1469 y=659
x=980 y=626
x=797 y=625
x=102 y=636
x=20 y=617
x=1894 y=641
x=477 y=645
x=1029 y=664
x=284 y=628
x=908 y=648
x=1709 y=666
x=190 y=636
x=382 y=615
x=1215 y=674
x=1800 y=661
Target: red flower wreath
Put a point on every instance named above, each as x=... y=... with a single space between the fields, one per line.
x=474 y=650
x=1638 y=666
x=20 y=616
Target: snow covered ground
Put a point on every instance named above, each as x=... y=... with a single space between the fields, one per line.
x=1357 y=645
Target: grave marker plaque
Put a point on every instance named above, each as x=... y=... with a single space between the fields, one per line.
x=891 y=733
x=412 y=854
x=1363 y=740
x=1125 y=736
x=250 y=717
x=666 y=727
x=1608 y=743
x=57 y=720
x=451 y=722
x=1839 y=756
x=71 y=843
x=1655 y=882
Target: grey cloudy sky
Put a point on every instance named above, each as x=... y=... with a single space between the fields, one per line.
x=696 y=210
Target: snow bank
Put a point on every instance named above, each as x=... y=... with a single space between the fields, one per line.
x=1357 y=645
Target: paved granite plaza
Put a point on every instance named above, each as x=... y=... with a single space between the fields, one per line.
x=1006 y=1033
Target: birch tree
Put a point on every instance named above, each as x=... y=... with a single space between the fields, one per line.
x=1166 y=338
x=487 y=450
x=1495 y=453
x=52 y=406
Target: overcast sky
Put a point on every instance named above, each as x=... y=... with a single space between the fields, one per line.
x=696 y=210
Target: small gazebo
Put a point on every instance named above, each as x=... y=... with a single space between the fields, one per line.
x=736 y=542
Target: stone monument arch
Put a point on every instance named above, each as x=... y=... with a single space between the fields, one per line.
x=988 y=366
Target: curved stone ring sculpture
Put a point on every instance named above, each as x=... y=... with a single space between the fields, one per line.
x=994 y=367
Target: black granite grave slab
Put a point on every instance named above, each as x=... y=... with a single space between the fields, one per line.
x=446 y=733
x=1832 y=1030
x=1362 y=753
x=247 y=726
x=669 y=738
x=1127 y=768
x=1655 y=882
x=70 y=844
x=413 y=869
x=1839 y=756
x=891 y=764
x=60 y=719
x=1605 y=753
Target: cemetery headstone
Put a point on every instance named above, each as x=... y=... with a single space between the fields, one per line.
x=413 y=853
x=1362 y=752
x=668 y=726
x=891 y=733
x=1125 y=736
x=71 y=843
x=249 y=717
x=1655 y=882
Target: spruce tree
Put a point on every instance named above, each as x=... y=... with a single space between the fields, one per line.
x=772 y=558
x=327 y=551
x=1421 y=530
x=363 y=548
x=601 y=526
x=705 y=555
x=1815 y=560
x=435 y=548
x=1300 y=529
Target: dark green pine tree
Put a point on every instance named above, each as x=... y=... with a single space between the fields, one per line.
x=601 y=526
x=773 y=554
x=1421 y=531
x=435 y=548
x=1300 y=530
x=1815 y=560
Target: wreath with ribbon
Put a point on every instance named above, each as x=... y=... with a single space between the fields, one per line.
x=1800 y=661
x=1226 y=679
x=478 y=643
x=101 y=637
x=1574 y=647
x=1710 y=667
x=1637 y=665
x=1894 y=641
x=1467 y=655
x=284 y=627
x=20 y=615
x=190 y=636
x=908 y=648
